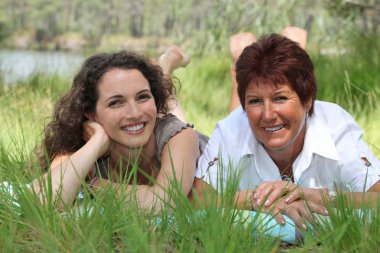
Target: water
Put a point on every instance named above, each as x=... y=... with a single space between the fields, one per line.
x=20 y=65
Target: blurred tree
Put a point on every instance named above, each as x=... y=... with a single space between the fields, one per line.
x=203 y=24
x=364 y=13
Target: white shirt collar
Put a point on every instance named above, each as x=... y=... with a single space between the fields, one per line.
x=265 y=166
x=317 y=141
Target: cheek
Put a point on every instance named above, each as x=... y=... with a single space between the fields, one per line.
x=301 y=115
x=151 y=108
x=107 y=117
x=253 y=119
x=253 y=115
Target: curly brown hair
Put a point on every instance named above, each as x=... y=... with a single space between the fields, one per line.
x=63 y=134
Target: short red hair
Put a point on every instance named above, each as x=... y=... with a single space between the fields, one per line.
x=273 y=60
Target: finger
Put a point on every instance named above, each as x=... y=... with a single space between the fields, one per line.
x=277 y=214
x=293 y=195
x=277 y=190
x=280 y=218
x=305 y=212
x=316 y=208
x=293 y=214
x=275 y=194
x=258 y=196
x=265 y=193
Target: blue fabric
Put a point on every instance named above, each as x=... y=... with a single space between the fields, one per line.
x=268 y=226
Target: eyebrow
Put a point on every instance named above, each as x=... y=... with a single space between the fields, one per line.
x=120 y=96
x=113 y=97
x=281 y=91
x=275 y=92
x=143 y=91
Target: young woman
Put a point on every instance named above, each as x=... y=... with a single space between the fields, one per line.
x=113 y=119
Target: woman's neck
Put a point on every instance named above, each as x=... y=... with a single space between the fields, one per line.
x=284 y=158
x=127 y=157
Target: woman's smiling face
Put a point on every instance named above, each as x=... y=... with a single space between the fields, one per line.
x=276 y=116
x=126 y=107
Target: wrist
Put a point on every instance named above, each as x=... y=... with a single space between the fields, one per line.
x=101 y=142
x=312 y=195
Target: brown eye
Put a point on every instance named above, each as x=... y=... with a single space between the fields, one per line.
x=144 y=97
x=114 y=104
x=255 y=101
x=280 y=99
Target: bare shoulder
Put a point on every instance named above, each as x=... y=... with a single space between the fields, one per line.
x=184 y=142
x=187 y=134
x=59 y=159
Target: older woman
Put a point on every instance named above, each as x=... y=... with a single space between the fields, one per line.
x=281 y=133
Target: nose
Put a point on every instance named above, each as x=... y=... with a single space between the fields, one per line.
x=133 y=111
x=269 y=112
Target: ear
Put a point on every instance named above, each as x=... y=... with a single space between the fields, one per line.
x=308 y=105
x=90 y=116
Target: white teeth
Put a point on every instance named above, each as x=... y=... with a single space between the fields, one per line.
x=133 y=128
x=273 y=129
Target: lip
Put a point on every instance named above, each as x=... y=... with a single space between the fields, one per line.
x=274 y=129
x=134 y=129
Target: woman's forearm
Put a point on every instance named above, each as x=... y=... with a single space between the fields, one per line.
x=203 y=194
x=354 y=199
x=147 y=197
x=67 y=173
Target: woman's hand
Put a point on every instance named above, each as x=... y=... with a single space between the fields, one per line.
x=269 y=192
x=299 y=211
x=92 y=129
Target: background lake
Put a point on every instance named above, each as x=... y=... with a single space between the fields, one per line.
x=17 y=65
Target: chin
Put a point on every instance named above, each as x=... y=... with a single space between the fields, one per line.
x=275 y=147
x=136 y=145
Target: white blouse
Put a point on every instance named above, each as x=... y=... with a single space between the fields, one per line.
x=334 y=154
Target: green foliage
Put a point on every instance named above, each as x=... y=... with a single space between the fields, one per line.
x=5 y=31
x=350 y=79
x=202 y=26
x=348 y=229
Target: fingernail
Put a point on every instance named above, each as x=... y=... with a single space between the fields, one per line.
x=282 y=222
x=304 y=226
x=326 y=212
x=258 y=201
x=255 y=196
x=266 y=203
x=287 y=200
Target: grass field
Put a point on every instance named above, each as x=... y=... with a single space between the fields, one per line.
x=111 y=223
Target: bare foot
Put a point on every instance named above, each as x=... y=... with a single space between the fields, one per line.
x=296 y=34
x=172 y=59
x=238 y=42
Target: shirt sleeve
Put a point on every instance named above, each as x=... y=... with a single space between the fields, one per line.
x=209 y=161
x=360 y=169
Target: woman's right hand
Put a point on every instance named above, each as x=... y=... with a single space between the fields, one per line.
x=92 y=129
x=269 y=192
x=300 y=211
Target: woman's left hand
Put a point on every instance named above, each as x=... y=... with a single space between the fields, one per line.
x=269 y=192
x=92 y=129
x=299 y=211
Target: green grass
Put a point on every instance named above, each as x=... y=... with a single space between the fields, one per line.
x=112 y=223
